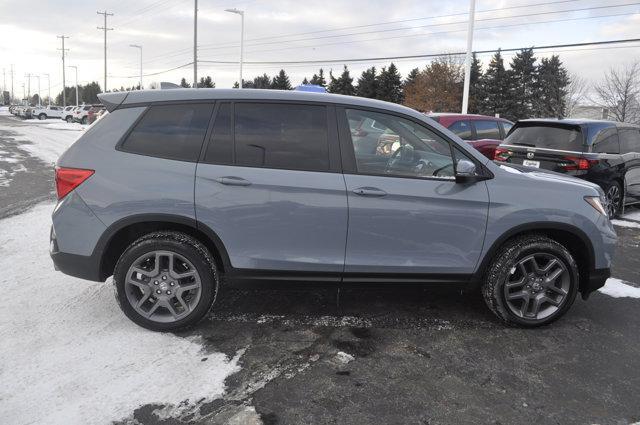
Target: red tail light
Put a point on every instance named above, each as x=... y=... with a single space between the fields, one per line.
x=68 y=179
x=574 y=163
x=502 y=154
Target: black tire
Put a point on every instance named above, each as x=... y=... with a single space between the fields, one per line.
x=85 y=120
x=615 y=199
x=502 y=268
x=42 y=117
x=69 y=119
x=185 y=246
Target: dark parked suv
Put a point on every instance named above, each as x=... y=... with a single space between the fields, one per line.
x=174 y=190
x=603 y=152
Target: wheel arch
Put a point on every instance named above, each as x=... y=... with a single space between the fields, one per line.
x=571 y=237
x=123 y=232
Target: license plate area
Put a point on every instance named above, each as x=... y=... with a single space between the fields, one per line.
x=530 y=163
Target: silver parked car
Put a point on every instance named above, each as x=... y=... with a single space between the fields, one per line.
x=174 y=189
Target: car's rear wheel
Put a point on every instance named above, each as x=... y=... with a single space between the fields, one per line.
x=614 y=199
x=166 y=281
x=42 y=117
x=532 y=281
x=84 y=120
x=69 y=119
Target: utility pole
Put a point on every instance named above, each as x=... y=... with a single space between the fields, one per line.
x=64 y=85
x=195 y=45
x=467 y=62
x=105 y=28
x=241 y=13
x=12 y=82
x=4 y=82
x=137 y=46
x=76 y=68
x=39 y=95
x=28 y=86
x=23 y=94
x=48 y=88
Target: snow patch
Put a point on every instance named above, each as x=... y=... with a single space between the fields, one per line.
x=632 y=214
x=343 y=358
x=47 y=142
x=625 y=223
x=617 y=288
x=69 y=356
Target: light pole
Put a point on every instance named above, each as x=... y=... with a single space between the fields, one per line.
x=28 y=87
x=241 y=13
x=139 y=47
x=76 y=68
x=195 y=44
x=48 y=88
x=467 y=63
x=39 y=95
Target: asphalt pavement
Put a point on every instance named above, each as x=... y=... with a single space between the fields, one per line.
x=398 y=355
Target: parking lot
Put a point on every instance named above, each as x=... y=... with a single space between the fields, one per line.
x=285 y=356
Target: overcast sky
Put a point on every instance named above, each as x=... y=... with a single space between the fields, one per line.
x=289 y=30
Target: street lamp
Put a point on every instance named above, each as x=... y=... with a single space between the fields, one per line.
x=241 y=13
x=48 y=88
x=139 y=47
x=76 y=68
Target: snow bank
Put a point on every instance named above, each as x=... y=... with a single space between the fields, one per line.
x=625 y=223
x=632 y=214
x=48 y=142
x=4 y=110
x=69 y=356
x=619 y=289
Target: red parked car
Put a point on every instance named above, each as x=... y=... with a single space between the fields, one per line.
x=483 y=132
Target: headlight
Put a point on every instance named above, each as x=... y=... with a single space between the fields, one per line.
x=597 y=203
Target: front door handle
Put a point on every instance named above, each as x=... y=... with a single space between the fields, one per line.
x=369 y=191
x=233 y=181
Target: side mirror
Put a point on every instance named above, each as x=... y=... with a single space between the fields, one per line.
x=465 y=171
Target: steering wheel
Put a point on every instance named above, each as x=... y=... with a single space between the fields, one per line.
x=403 y=155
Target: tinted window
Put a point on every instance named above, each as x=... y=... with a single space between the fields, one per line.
x=506 y=126
x=606 y=141
x=629 y=140
x=462 y=129
x=220 y=149
x=281 y=136
x=403 y=149
x=546 y=136
x=487 y=129
x=170 y=131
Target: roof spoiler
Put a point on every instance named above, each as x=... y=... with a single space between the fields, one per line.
x=111 y=101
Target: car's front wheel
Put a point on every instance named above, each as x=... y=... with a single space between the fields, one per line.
x=42 y=117
x=69 y=119
x=166 y=281
x=531 y=282
x=85 y=120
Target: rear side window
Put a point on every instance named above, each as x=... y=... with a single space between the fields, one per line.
x=607 y=141
x=281 y=136
x=170 y=131
x=487 y=129
x=220 y=148
x=547 y=136
x=629 y=140
x=462 y=129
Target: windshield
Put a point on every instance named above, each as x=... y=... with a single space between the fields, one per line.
x=545 y=136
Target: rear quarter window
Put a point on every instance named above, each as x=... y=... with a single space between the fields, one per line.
x=462 y=129
x=170 y=131
x=487 y=129
x=629 y=140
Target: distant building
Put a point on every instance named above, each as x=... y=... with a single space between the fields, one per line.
x=592 y=112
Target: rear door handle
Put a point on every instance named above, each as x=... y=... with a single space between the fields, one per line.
x=233 y=181
x=369 y=191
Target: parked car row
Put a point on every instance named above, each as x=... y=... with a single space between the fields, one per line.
x=84 y=114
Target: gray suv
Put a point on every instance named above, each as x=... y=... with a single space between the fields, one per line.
x=175 y=191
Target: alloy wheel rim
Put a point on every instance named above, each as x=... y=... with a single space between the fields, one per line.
x=537 y=286
x=613 y=200
x=163 y=286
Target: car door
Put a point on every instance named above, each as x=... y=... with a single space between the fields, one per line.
x=630 y=151
x=407 y=214
x=269 y=185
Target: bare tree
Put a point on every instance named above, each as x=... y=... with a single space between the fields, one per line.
x=576 y=93
x=619 y=92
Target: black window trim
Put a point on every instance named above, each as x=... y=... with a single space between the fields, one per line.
x=120 y=145
x=349 y=165
x=332 y=135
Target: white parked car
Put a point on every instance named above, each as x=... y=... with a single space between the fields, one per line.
x=67 y=113
x=44 y=112
x=80 y=114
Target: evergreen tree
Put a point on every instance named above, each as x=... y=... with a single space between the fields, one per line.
x=367 y=84
x=476 y=92
x=318 y=79
x=183 y=83
x=389 y=85
x=553 y=80
x=525 y=81
x=305 y=81
x=411 y=77
x=342 y=84
x=206 y=82
x=281 y=81
x=497 y=86
x=262 y=82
